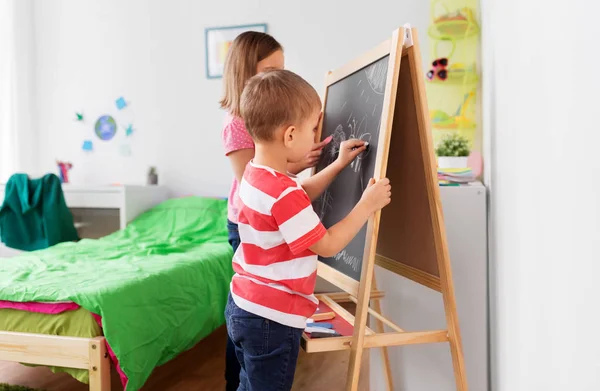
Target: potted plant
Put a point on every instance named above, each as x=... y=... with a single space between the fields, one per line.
x=452 y=151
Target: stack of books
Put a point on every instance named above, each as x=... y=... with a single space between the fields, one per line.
x=452 y=176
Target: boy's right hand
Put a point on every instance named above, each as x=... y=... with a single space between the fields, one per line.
x=377 y=195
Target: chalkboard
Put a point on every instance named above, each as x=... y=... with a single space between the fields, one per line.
x=353 y=109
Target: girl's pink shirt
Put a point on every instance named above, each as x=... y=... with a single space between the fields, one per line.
x=235 y=137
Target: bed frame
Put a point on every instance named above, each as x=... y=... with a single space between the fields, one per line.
x=54 y=350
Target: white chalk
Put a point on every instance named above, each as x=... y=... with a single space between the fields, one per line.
x=319 y=330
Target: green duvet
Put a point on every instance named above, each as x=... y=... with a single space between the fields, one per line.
x=160 y=285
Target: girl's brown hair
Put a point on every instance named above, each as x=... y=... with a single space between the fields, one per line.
x=246 y=51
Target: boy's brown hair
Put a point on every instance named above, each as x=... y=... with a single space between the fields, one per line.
x=274 y=99
x=246 y=51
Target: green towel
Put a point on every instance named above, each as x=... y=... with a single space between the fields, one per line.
x=34 y=214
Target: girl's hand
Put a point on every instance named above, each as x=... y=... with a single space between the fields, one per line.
x=311 y=159
x=349 y=150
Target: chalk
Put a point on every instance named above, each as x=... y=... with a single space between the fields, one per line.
x=324 y=335
x=324 y=325
x=323 y=316
x=318 y=330
x=366 y=145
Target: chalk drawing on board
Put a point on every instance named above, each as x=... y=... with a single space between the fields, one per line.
x=325 y=200
x=333 y=148
x=358 y=130
x=376 y=76
x=351 y=113
x=348 y=259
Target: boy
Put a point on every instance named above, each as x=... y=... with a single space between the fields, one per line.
x=276 y=265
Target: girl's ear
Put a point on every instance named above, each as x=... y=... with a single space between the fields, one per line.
x=288 y=136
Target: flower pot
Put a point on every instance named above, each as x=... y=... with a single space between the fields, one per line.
x=452 y=162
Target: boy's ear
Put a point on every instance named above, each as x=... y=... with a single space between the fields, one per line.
x=288 y=135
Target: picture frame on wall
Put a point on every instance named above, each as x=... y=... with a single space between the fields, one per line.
x=218 y=41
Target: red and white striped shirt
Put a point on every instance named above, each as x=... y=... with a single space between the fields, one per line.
x=275 y=269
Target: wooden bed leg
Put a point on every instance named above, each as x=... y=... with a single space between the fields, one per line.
x=387 y=369
x=99 y=365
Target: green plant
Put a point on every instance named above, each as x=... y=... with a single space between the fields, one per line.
x=453 y=145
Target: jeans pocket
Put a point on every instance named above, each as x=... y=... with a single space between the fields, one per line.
x=252 y=332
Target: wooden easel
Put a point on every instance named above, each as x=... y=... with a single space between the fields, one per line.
x=408 y=236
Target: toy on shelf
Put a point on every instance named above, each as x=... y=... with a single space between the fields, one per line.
x=458 y=73
x=459 y=120
x=439 y=69
x=458 y=24
x=63 y=170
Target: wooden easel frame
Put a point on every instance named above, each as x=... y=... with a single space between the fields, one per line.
x=402 y=46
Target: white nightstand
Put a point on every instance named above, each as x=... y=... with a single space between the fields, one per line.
x=113 y=207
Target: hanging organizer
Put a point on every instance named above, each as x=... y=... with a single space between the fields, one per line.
x=453 y=85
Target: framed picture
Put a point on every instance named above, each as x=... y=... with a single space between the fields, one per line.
x=218 y=40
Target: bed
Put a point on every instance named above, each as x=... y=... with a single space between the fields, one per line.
x=138 y=297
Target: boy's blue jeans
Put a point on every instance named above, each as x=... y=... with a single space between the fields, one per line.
x=267 y=350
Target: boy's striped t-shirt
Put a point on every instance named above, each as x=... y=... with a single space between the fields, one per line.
x=275 y=269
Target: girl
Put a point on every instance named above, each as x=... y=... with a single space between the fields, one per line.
x=250 y=53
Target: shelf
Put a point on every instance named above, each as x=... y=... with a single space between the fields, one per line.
x=454 y=124
x=453 y=30
x=454 y=26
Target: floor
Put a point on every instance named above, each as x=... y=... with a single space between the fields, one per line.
x=200 y=368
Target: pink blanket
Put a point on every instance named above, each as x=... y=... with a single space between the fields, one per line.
x=57 y=308
x=44 y=308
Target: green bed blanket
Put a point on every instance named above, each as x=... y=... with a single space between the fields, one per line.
x=160 y=284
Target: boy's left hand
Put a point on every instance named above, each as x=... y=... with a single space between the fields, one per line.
x=349 y=150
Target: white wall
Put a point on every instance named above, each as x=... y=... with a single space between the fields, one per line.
x=152 y=52
x=543 y=100
x=18 y=142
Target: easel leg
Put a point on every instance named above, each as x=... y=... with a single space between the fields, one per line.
x=454 y=338
x=460 y=374
x=360 y=325
x=384 y=351
x=99 y=365
x=355 y=364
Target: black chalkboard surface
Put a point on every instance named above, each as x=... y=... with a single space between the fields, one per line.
x=353 y=109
